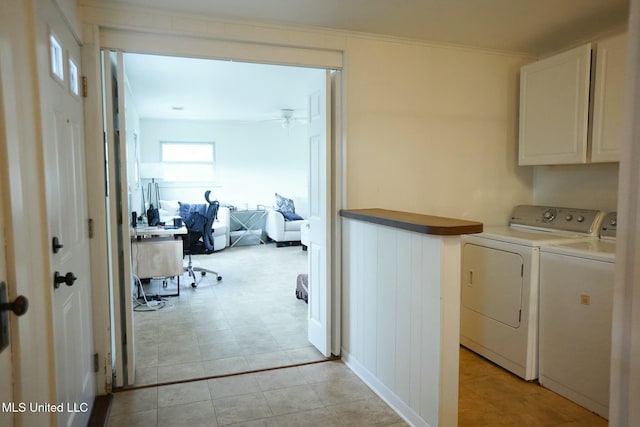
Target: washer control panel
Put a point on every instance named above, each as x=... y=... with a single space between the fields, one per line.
x=609 y=226
x=583 y=221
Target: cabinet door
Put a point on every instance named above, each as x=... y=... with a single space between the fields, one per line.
x=611 y=55
x=554 y=109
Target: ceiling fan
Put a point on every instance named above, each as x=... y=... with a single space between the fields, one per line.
x=289 y=119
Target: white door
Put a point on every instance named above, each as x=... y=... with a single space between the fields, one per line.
x=58 y=59
x=6 y=383
x=123 y=359
x=492 y=283
x=319 y=217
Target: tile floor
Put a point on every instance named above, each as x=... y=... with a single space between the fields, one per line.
x=329 y=394
x=492 y=396
x=322 y=394
x=250 y=320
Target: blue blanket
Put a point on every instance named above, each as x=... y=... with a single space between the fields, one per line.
x=194 y=216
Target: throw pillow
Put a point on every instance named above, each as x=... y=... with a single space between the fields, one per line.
x=290 y=216
x=284 y=204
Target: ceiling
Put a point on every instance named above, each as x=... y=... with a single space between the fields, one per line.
x=533 y=27
x=166 y=87
x=527 y=26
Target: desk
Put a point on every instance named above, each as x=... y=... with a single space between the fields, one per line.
x=145 y=231
x=157 y=252
x=251 y=223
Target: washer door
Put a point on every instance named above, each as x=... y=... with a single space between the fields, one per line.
x=492 y=283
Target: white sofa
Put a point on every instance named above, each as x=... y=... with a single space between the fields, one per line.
x=282 y=231
x=286 y=232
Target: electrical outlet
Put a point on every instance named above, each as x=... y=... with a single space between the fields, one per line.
x=585 y=299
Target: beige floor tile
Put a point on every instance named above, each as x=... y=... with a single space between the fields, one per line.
x=145 y=376
x=341 y=391
x=369 y=412
x=128 y=402
x=292 y=399
x=243 y=408
x=174 y=355
x=304 y=355
x=220 y=350
x=280 y=378
x=265 y=344
x=267 y=360
x=179 y=372
x=325 y=371
x=324 y=417
x=139 y=419
x=226 y=366
x=188 y=415
x=233 y=386
x=177 y=394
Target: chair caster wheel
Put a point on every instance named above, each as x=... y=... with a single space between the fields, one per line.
x=219 y=278
x=194 y=285
x=203 y=273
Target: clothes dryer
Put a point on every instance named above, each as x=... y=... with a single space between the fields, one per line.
x=499 y=289
x=576 y=308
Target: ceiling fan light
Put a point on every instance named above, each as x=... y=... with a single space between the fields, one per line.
x=287 y=113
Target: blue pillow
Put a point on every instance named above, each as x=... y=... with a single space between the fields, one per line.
x=284 y=204
x=291 y=216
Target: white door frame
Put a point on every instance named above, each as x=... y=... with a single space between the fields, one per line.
x=128 y=41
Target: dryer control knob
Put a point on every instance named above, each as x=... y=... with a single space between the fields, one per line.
x=569 y=217
x=580 y=218
x=613 y=222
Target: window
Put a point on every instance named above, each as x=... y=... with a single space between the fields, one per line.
x=57 y=64
x=188 y=161
x=74 y=85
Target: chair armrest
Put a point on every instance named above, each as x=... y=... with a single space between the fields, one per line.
x=274 y=225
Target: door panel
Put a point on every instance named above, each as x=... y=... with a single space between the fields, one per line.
x=123 y=359
x=319 y=214
x=492 y=283
x=6 y=383
x=63 y=149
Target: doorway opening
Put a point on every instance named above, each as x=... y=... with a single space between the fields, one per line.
x=253 y=120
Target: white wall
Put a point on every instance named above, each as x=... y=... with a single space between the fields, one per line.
x=253 y=160
x=433 y=130
x=592 y=186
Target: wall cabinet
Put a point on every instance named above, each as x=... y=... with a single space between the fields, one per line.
x=611 y=59
x=555 y=106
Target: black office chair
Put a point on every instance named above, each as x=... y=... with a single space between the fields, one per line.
x=199 y=238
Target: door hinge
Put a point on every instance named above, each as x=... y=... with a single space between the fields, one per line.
x=96 y=363
x=521 y=270
x=519 y=316
x=85 y=90
x=90 y=227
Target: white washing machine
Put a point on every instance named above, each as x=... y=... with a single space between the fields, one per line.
x=576 y=306
x=499 y=290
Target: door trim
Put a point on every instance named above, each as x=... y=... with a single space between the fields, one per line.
x=128 y=42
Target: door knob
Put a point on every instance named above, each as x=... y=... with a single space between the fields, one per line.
x=56 y=245
x=68 y=279
x=19 y=306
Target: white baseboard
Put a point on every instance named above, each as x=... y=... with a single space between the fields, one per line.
x=384 y=392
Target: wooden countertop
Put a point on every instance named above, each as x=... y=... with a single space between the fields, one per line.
x=426 y=224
